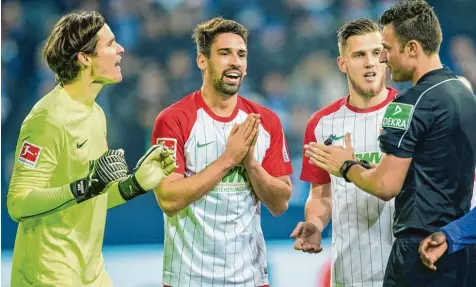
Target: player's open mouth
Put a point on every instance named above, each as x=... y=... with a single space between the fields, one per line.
x=232 y=77
x=116 y=64
x=370 y=76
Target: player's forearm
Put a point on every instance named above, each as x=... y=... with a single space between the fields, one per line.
x=114 y=197
x=173 y=196
x=461 y=233
x=318 y=210
x=38 y=202
x=273 y=192
x=369 y=181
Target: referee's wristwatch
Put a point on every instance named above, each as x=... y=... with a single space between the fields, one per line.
x=344 y=169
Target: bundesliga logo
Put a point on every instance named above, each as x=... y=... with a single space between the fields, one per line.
x=29 y=154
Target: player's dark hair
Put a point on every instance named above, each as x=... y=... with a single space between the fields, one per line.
x=75 y=32
x=415 y=20
x=360 y=26
x=205 y=33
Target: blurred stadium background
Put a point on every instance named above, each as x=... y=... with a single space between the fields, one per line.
x=291 y=69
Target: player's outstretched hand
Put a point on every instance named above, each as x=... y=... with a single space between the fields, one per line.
x=308 y=237
x=241 y=137
x=151 y=169
x=432 y=248
x=109 y=167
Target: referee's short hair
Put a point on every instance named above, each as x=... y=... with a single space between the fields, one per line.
x=415 y=20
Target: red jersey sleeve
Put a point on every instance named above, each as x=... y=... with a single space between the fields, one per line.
x=170 y=129
x=276 y=160
x=310 y=172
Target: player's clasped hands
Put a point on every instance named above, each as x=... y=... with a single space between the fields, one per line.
x=308 y=237
x=241 y=137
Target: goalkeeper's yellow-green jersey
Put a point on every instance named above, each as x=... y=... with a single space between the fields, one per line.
x=61 y=246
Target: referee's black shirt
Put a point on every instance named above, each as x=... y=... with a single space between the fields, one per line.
x=434 y=123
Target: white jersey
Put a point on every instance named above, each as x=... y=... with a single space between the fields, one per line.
x=361 y=223
x=217 y=240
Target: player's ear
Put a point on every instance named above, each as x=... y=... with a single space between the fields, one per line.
x=84 y=59
x=412 y=47
x=341 y=64
x=201 y=62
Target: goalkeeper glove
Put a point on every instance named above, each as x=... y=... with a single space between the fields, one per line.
x=151 y=169
x=109 y=167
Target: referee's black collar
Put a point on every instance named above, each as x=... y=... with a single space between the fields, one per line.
x=442 y=71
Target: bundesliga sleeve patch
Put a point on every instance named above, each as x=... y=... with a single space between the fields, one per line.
x=29 y=154
x=397 y=116
x=170 y=143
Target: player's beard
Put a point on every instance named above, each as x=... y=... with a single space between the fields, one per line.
x=367 y=93
x=400 y=75
x=220 y=85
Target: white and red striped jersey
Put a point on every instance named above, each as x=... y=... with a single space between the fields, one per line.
x=217 y=240
x=361 y=223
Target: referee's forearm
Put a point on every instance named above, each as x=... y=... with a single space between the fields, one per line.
x=369 y=181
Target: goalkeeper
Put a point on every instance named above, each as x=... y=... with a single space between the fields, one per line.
x=65 y=177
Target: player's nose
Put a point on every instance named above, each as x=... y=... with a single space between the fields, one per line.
x=120 y=49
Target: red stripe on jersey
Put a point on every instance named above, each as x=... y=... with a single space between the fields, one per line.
x=175 y=123
x=276 y=160
x=310 y=172
x=202 y=104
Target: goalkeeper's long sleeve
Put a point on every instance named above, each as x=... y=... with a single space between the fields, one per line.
x=44 y=201
x=23 y=205
x=461 y=233
x=114 y=197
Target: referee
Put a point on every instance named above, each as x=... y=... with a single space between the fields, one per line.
x=429 y=145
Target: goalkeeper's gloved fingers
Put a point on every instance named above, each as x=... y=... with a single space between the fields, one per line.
x=169 y=165
x=153 y=153
x=166 y=152
x=151 y=150
x=119 y=152
x=110 y=172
